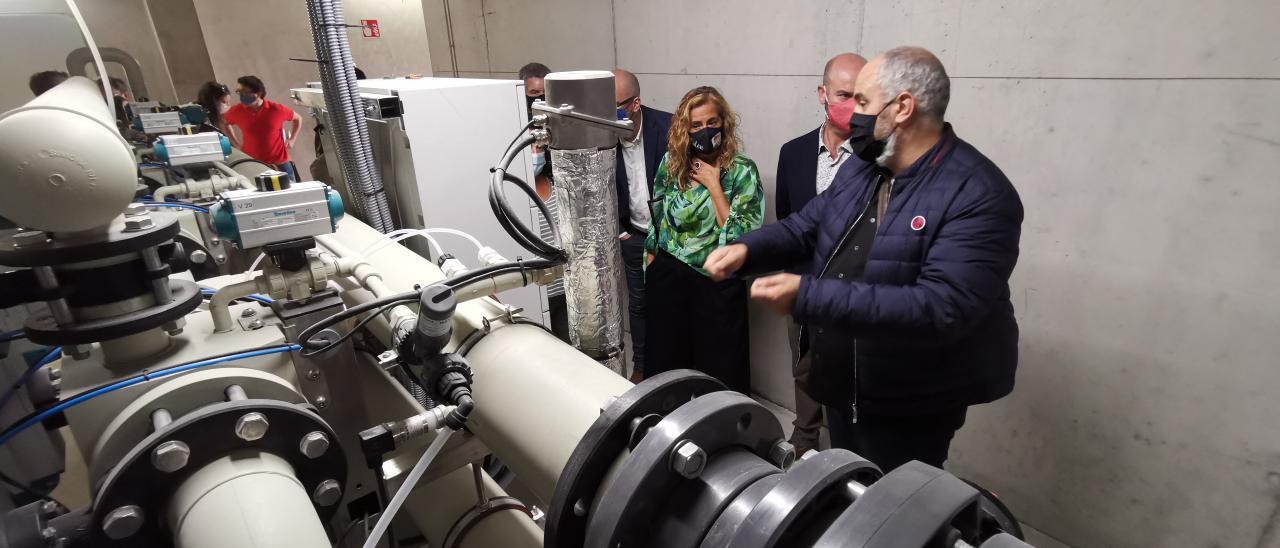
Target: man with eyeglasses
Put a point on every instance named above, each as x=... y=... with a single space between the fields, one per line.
x=638 y=159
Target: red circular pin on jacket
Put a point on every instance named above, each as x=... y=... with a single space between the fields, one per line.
x=917 y=223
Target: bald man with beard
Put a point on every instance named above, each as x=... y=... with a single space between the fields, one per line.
x=799 y=179
x=638 y=157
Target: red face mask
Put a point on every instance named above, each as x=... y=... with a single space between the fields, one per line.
x=841 y=114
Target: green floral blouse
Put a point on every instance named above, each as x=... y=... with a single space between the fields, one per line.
x=684 y=222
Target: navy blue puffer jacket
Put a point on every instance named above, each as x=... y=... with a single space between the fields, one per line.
x=932 y=319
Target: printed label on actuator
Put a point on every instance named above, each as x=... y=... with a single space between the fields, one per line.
x=289 y=216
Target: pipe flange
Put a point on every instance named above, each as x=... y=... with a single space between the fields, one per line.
x=185 y=297
x=639 y=491
x=803 y=502
x=608 y=438
x=700 y=503
x=115 y=241
x=910 y=506
x=210 y=433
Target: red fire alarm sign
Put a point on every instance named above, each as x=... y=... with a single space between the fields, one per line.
x=370 y=28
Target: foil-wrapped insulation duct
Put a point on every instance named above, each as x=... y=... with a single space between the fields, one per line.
x=346 y=113
x=582 y=160
x=588 y=223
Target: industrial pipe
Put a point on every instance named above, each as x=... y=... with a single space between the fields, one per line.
x=63 y=165
x=582 y=159
x=219 y=304
x=535 y=395
x=248 y=498
x=245 y=183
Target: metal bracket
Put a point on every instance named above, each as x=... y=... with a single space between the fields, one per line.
x=622 y=127
x=509 y=313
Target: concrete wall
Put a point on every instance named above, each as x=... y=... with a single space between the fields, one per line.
x=259 y=36
x=1142 y=138
x=38 y=34
x=178 y=31
x=127 y=25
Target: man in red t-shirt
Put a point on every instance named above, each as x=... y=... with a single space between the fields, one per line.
x=261 y=123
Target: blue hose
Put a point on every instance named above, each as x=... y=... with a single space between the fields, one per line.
x=13 y=431
x=176 y=205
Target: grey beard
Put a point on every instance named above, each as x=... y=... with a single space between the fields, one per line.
x=883 y=159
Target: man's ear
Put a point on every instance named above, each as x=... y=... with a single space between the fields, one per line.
x=822 y=95
x=906 y=107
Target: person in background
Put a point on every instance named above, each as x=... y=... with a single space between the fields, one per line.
x=261 y=123
x=799 y=179
x=706 y=195
x=533 y=75
x=41 y=82
x=215 y=98
x=637 y=165
x=906 y=304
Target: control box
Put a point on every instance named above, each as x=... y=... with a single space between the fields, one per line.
x=253 y=218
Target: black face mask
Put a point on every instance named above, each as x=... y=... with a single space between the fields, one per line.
x=529 y=99
x=862 y=137
x=705 y=141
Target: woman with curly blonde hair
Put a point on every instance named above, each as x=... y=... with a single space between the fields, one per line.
x=706 y=195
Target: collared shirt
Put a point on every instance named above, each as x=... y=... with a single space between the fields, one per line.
x=684 y=223
x=637 y=181
x=827 y=167
x=263 y=130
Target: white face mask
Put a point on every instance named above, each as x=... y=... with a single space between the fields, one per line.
x=223 y=107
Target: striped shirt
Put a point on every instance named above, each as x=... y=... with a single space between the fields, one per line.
x=556 y=288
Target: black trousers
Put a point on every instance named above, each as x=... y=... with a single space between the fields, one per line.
x=891 y=441
x=633 y=260
x=694 y=323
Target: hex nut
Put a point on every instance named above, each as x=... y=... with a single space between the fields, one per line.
x=782 y=454
x=123 y=522
x=327 y=493
x=252 y=426
x=314 y=444
x=688 y=460
x=170 y=456
x=135 y=209
x=140 y=222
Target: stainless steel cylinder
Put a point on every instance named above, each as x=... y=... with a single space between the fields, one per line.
x=590 y=92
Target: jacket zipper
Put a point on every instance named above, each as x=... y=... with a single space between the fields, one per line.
x=853 y=409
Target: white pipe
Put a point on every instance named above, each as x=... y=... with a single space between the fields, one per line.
x=248 y=498
x=410 y=482
x=253 y=267
x=456 y=232
x=245 y=183
x=221 y=301
x=170 y=190
x=525 y=377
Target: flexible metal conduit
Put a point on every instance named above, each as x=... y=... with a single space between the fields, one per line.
x=346 y=113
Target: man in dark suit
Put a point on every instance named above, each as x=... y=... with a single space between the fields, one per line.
x=800 y=178
x=638 y=159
